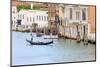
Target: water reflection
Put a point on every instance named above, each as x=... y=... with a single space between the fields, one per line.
x=62 y=50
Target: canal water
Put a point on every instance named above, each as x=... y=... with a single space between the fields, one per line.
x=62 y=50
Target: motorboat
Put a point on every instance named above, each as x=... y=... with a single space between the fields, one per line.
x=50 y=36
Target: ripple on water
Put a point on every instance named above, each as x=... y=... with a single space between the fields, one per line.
x=60 y=51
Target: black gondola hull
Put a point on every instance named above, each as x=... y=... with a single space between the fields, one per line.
x=39 y=43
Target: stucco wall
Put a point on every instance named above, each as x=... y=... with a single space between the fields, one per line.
x=92 y=18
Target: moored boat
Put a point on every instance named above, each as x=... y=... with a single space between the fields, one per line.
x=50 y=37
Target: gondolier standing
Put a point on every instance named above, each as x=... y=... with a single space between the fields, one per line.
x=31 y=34
x=31 y=37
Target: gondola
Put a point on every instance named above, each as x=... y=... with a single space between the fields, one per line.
x=39 y=43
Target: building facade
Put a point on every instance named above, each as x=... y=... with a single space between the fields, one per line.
x=74 y=20
x=92 y=18
x=14 y=16
x=92 y=22
x=25 y=19
x=52 y=11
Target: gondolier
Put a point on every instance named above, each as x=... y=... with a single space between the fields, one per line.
x=38 y=42
x=31 y=36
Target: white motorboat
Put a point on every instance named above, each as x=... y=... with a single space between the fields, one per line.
x=50 y=36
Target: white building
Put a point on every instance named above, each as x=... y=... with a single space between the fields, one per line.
x=76 y=13
x=73 y=16
x=27 y=17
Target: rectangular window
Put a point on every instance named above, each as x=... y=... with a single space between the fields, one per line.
x=23 y=16
x=84 y=14
x=70 y=13
x=63 y=9
x=33 y=19
x=13 y=22
x=20 y=17
x=47 y=18
x=13 y=11
x=44 y=18
x=14 y=18
x=77 y=15
x=37 y=17
x=52 y=14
